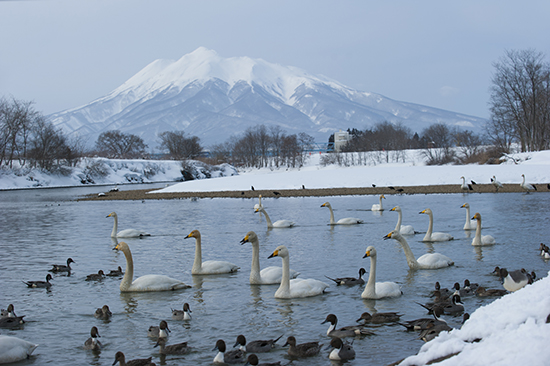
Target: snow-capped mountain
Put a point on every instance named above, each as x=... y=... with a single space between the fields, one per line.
x=214 y=98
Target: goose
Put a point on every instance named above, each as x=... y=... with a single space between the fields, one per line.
x=482 y=292
x=115 y=272
x=276 y=224
x=478 y=239
x=378 y=290
x=378 y=206
x=465 y=186
x=514 y=280
x=92 y=343
x=121 y=359
x=295 y=288
x=128 y=233
x=379 y=318
x=40 y=284
x=347 y=331
x=526 y=186
x=259 y=346
x=469 y=224
x=56 y=268
x=303 y=349
x=173 y=349
x=208 y=267
x=430 y=235
x=160 y=331
x=345 y=221
x=342 y=351
x=496 y=183
x=350 y=281
x=268 y=276
x=96 y=276
x=13 y=349
x=145 y=283
x=427 y=261
x=403 y=229
x=235 y=356
x=184 y=314
x=254 y=361
x=103 y=313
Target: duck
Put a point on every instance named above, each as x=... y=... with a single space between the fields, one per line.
x=96 y=276
x=478 y=238
x=92 y=343
x=513 y=280
x=147 y=283
x=127 y=233
x=295 y=288
x=462 y=291
x=426 y=323
x=403 y=229
x=40 y=284
x=56 y=268
x=428 y=334
x=379 y=318
x=172 y=349
x=259 y=346
x=378 y=290
x=276 y=224
x=184 y=314
x=430 y=235
x=254 y=361
x=268 y=276
x=235 y=356
x=472 y=287
x=526 y=186
x=103 y=313
x=208 y=267
x=378 y=206
x=347 y=331
x=341 y=351
x=344 y=221
x=496 y=183
x=426 y=261
x=443 y=292
x=13 y=349
x=160 y=331
x=469 y=224
x=308 y=349
x=482 y=292
x=121 y=359
x=456 y=306
x=12 y=322
x=115 y=272
x=9 y=312
x=350 y=281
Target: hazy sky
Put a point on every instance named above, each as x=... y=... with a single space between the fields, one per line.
x=62 y=54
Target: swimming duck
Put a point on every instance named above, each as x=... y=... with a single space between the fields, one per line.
x=40 y=284
x=172 y=349
x=276 y=224
x=443 y=292
x=514 y=280
x=121 y=359
x=379 y=318
x=9 y=312
x=92 y=343
x=116 y=272
x=103 y=313
x=482 y=292
x=342 y=351
x=12 y=322
x=378 y=290
x=208 y=267
x=302 y=350
x=160 y=331
x=350 y=281
x=184 y=314
x=127 y=233
x=235 y=356
x=96 y=276
x=428 y=334
x=344 y=221
x=348 y=331
x=425 y=323
x=253 y=360
x=470 y=286
x=456 y=306
x=56 y=268
x=13 y=349
x=430 y=235
x=259 y=346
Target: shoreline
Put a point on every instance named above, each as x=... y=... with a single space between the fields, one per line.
x=143 y=194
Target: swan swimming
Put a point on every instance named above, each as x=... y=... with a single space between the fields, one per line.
x=378 y=290
x=268 y=276
x=208 y=267
x=145 y=283
x=295 y=288
x=427 y=261
x=128 y=233
x=344 y=221
x=13 y=349
x=478 y=238
x=469 y=224
x=378 y=206
x=278 y=223
x=258 y=205
x=403 y=229
x=430 y=235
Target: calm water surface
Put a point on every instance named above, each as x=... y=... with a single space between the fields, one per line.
x=42 y=227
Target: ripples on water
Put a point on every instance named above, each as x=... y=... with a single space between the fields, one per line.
x=41 y=227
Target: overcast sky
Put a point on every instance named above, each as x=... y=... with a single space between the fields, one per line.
x=62 y=54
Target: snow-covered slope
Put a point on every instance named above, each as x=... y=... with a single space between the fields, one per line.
x=213 y=98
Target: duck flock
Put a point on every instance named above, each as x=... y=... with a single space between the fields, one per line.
x=340 y=340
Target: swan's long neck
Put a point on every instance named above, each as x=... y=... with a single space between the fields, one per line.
x=468 y=215
x=523 y=183
x=411 y=260
x=129 y=273
x=331 y=215
x=428 y=235
x=197 y=264
x=115 y=227
x=267 y=219
x=477 y=238
x=380 y=203
x=370 y=287
x=285 y=280
x=399 y=219
x=255 y=269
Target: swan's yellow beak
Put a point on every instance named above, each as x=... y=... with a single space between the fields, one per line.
x=393 y=209
x=388 y=236
x=464 y=205
x=245 y=240
x=384 y=197
x=109 y=215
x=423 y=212
x=323 y=205
x=256 y=210
x=367 y=254
x=274 y=254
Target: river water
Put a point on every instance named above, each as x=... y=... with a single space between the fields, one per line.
x=45 y=226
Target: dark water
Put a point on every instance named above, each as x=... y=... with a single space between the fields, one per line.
x=41 y=227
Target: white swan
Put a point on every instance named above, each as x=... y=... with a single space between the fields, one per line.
x=208 y=267
x=496 y=183
x=344 y=221
x=128 y=233
x=430 y=235
x=258 y=205
x=478 y=239
x=378 y=206
x=378 y=290
x=147 y=283
x=290 y=289
x=427 y=261
x=403 y=229
x=464 y=186
x=469 y=224
x=278 y=223
x=13 y=349
x=526 y=186
x=268 y=276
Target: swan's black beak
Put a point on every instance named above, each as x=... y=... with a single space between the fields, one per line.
x=386 y=237
x=245 y=240
x=274 y=254
x=367 y=254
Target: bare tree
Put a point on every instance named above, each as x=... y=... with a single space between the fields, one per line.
x=438 y=144
x=16 y=122
x=116 y=144
x=468 y=143
x=179 y=146
x=48 y=146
